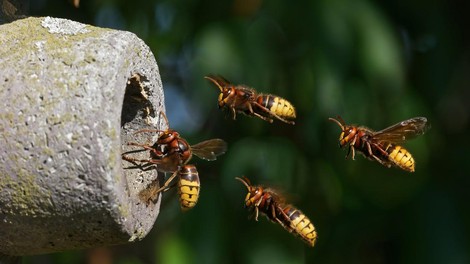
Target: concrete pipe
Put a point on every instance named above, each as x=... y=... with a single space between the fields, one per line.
x=72 y=96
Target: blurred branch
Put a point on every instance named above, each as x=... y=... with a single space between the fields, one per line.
x=76 y=3
x=11 y=10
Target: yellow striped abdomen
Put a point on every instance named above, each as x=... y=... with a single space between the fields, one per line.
x=188 y=187
x=401 y=158
x=301 y=225
x=277 y=105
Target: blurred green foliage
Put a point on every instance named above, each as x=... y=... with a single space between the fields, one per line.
x=374 y=63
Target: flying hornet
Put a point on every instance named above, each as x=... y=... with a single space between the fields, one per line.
x=384 y=145
x=270 y=203
x=171 y=153
x=242 y=99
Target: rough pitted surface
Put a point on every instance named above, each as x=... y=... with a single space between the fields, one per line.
x=68 y=110
x=63 y=26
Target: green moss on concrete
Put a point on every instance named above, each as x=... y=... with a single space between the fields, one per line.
x=26 y=197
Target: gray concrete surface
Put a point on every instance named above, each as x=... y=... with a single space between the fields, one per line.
x=71 y=97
